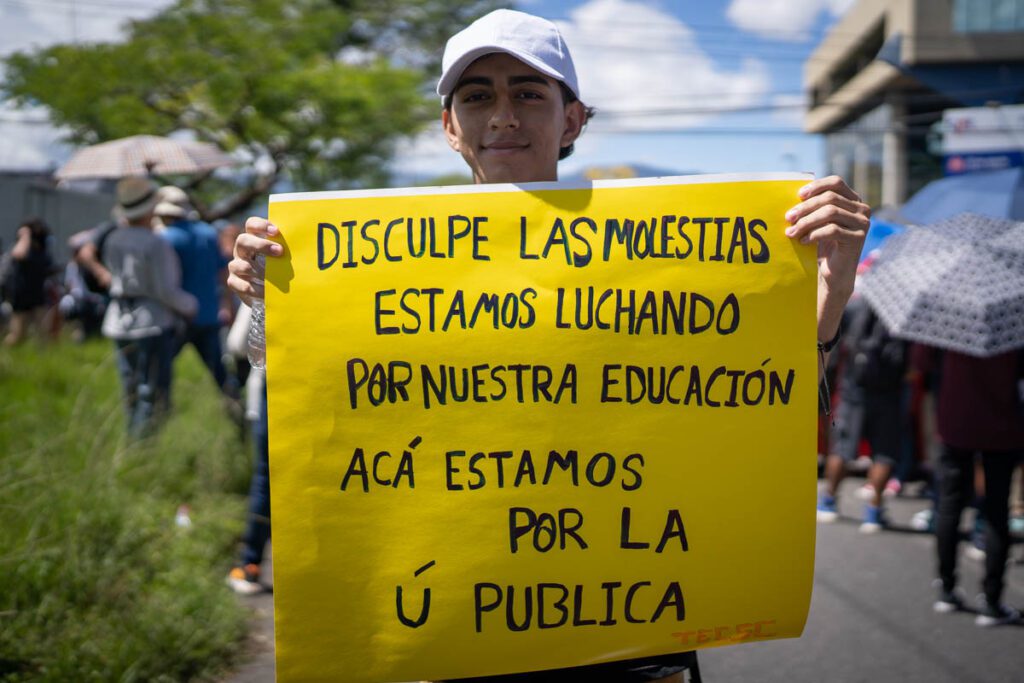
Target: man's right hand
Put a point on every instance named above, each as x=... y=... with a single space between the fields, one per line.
x=242 y=276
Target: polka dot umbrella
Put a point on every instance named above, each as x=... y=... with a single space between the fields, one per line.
x=952 y=286
x=999 y=234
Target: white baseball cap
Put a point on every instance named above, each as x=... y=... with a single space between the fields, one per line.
x=532 y=40
x=174 y=203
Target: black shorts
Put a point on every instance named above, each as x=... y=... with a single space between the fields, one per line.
x=877 y=419
x=628 y=671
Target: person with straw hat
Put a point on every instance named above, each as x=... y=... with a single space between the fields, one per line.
x=146 y=301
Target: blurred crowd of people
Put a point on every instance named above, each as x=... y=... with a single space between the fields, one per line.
x=152 y=280
x=953 y=424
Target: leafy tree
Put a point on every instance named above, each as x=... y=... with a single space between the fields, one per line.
x=320 y=90
x=448 y=179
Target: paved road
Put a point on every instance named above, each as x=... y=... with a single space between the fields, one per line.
x=259 y=660
x=870 y=619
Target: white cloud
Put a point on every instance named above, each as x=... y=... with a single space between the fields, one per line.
x=426 y=156
x=839 y=7
x=25 y=26
x=783 y=20
x=641 y=66
x=25 y=143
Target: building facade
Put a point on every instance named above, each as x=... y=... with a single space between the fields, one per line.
x=881 y=79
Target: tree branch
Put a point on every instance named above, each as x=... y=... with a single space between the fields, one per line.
x=241 y=200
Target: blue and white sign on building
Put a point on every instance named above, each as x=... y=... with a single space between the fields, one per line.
x=983 y=138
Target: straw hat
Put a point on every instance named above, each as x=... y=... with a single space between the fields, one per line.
x=136 y=197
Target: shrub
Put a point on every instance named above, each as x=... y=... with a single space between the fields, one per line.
x=97 y=582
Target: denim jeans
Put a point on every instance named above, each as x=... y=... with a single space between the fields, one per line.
x=206 y=340
x=143 y=365
x=257 y=528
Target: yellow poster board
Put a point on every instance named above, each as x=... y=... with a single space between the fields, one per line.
x=516 y=428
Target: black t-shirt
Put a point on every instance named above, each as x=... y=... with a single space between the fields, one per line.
x=27 y=279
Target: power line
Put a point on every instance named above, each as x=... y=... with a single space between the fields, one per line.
x=726 y=130
x=611 y=112
x=598 y=127
x=739 y=50
x=907 y=98
x=731 y=48
x=732 y=29
x=729 y=31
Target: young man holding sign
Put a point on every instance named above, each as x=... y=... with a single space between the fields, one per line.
x=512 y=109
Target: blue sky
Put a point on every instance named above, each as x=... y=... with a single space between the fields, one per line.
x=678 y=64
x=660 y=72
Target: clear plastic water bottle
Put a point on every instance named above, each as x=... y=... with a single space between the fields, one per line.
x=257 y=335
x=183 y=517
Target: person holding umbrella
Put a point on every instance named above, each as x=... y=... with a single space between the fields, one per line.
x=957 y=288
x=980 y=412
x=511 y=107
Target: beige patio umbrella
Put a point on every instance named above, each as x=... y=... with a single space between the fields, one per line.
x=141 y=155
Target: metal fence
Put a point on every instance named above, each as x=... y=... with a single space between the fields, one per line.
x=65 y=211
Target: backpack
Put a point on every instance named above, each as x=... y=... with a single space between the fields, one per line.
x=103 y=231
x=878 y=360
x=99 y=236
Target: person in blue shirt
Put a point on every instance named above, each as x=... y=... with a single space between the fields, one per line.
x=203 y=272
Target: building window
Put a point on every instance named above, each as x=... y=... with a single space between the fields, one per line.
x=858 y=60
x=856 y=152
x=985 y=16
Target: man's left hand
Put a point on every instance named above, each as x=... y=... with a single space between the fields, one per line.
x=832 y=216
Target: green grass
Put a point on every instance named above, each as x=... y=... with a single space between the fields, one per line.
x=97 y=583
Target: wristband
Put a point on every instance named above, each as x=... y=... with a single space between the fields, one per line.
x=825 y=347
x=823 y=392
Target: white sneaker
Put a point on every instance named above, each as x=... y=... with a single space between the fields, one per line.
x=948 y=602
x=922 y=521
x=975 y=553
x=245 y=580
x=997 y=616
x=874 y=520
x=827 y=511
x=952 y=601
